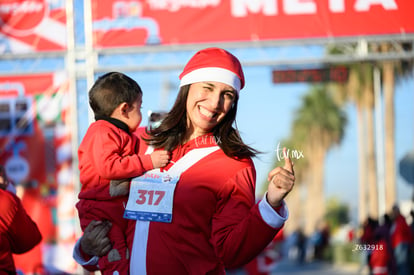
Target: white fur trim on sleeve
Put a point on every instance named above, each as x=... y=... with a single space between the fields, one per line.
x=78 y=257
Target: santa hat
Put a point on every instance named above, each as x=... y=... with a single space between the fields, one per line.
x=213 y=64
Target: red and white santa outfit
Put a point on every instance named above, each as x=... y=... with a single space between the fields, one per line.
x=18 y=232
x=215 y=221
x=401 y=241
x=107 y=152
x=380 y=258
x=267 y=260
x=400 y=232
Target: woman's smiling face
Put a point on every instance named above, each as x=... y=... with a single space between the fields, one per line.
x=207 y=104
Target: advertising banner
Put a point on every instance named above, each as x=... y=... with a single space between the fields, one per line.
x=118 y=23
x=28 y=26
x=35 y=149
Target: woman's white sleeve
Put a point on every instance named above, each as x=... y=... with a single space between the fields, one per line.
x=270 y=216
x=77 y=256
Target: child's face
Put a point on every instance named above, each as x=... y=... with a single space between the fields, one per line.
x=134 y=114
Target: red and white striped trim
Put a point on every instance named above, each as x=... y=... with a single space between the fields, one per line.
x=139 y=246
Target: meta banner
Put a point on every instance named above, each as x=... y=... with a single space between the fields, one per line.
x=119 y=23
x=32 y=26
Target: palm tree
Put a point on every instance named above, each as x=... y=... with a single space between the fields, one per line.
x=359 y=90
x=367 y=87
x=388 y=81
x=352 y=91
x=320 y=124
x=392 y=70
x=362 y=86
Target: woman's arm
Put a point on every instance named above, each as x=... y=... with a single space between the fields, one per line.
x=241 y=229
x=23 y=233
x=93 y=244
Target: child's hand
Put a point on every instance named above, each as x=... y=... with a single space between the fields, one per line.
x=160 y=158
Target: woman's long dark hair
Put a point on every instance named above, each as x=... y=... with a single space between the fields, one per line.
x=172 y=131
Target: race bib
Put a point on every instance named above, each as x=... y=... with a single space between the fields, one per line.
x=151 y=197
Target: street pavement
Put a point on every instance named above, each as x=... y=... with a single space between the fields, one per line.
x=290 y=267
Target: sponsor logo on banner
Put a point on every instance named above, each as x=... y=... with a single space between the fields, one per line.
x=32 y=25
x=20 y=18
x=118 y=23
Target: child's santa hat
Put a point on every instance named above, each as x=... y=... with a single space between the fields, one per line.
x=213 y=64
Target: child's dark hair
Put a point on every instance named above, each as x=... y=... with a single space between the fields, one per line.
x=110 y=90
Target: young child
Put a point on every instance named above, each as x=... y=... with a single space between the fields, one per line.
x=108 y=156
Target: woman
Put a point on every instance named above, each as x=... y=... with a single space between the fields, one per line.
x=215 y=222
x=18 y=232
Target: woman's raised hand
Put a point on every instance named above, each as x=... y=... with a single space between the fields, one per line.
x=281 y=181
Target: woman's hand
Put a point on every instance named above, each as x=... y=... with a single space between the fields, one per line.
x=94 y=241
x=281 y=182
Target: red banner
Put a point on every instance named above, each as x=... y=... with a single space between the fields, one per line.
x=35 y=149
x=32 y=26
x=134 y=23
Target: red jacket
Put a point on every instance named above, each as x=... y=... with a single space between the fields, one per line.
x=108 y=152
x=380 y=258
x=18 y=232
x=400 y=232
x=215 y=222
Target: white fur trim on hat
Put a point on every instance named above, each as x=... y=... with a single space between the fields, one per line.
x=212 y=74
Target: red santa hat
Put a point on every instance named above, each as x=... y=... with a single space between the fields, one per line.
x=213 y=64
